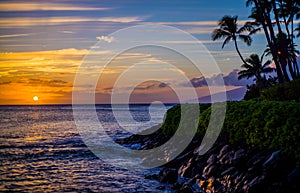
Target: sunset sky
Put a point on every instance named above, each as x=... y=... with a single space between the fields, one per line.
x=42 y=44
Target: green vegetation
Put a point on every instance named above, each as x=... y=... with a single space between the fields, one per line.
x=266 y=124
x=281 y=92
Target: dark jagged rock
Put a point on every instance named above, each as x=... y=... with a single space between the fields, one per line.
x=225 y=168
x=168 y=175
x=272 y=160
x=212 y=159
x=185 y=189
x=160 y=187
x=223 y=151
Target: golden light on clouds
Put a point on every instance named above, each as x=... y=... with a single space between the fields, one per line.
x=48 y=21
x=43 y=6
x=48 y=73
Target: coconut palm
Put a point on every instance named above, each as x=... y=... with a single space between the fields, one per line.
x=230 y=31
x=254 y=67
x=261 y=12
x=288 y=11
x=298 y=30
x=289 y=52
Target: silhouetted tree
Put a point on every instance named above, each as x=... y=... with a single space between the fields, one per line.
x=230 y=31
x=254 y=67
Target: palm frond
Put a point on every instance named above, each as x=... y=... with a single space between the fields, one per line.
x=244 y=74
x=246 y=38
x=226 y=41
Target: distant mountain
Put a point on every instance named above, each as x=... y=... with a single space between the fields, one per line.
x=232 y=95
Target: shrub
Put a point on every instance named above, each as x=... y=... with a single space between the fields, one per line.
x=281 y=92
x=267 y=124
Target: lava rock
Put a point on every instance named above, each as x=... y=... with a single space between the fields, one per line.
x=168 y=175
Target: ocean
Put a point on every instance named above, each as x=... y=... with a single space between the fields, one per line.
x=41 y=150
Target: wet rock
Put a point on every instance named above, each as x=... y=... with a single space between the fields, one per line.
x=136 y=146
x=168 y=175
x=187 y=170
x=160 y=187
x=177 y=186
x=272 y=160
x=257 y=158
x=238 y=155
x=210 y=170
x=224 y=151
x=240 y=182
x=293 y=180
x=255 y=185
x=294 y=175
x=255 y=170
x=212 y=159
x=226 y=158
x=202 y=183
x=191 y=169
x=151 y=177
x=228 y=171
x=185 y=189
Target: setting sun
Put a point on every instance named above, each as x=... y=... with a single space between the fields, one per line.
x=35 y=98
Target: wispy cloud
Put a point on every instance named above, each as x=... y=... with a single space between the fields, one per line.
x=200 y=30
x=14 y=35
x=58 y=60
x=47 y=21
x=42 y=6
x=67 y=32
x=193 y=23
x=105 y=38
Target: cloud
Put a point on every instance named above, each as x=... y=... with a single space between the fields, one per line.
x=42 y=6
x=50 y=21
x=194 y=23
x=5 y=83
x=202 y=30
x=105 y=38
x=229 y=80
x=16 y=65
x=14 y=35
x=41 y=82
x=149 y=86
x=120 y=19
x=155 y=85
x=67 y=32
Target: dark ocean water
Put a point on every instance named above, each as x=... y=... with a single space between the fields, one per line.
x=42 y=151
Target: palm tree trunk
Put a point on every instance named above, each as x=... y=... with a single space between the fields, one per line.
x=282 y=56
x=293 y=68
x=276 y=16
x=269 y=39
x=296 y=68
x=238 y=51
x=259 y=82
x=292 y=71
x=297 y=72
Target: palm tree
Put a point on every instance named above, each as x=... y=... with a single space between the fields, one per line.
x=289 y=53
x=288 y=11
x=255 y=68
x=228 y=29
x=298 y=30
x=261 y=12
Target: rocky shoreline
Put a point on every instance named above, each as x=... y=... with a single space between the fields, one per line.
x=225 y=168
